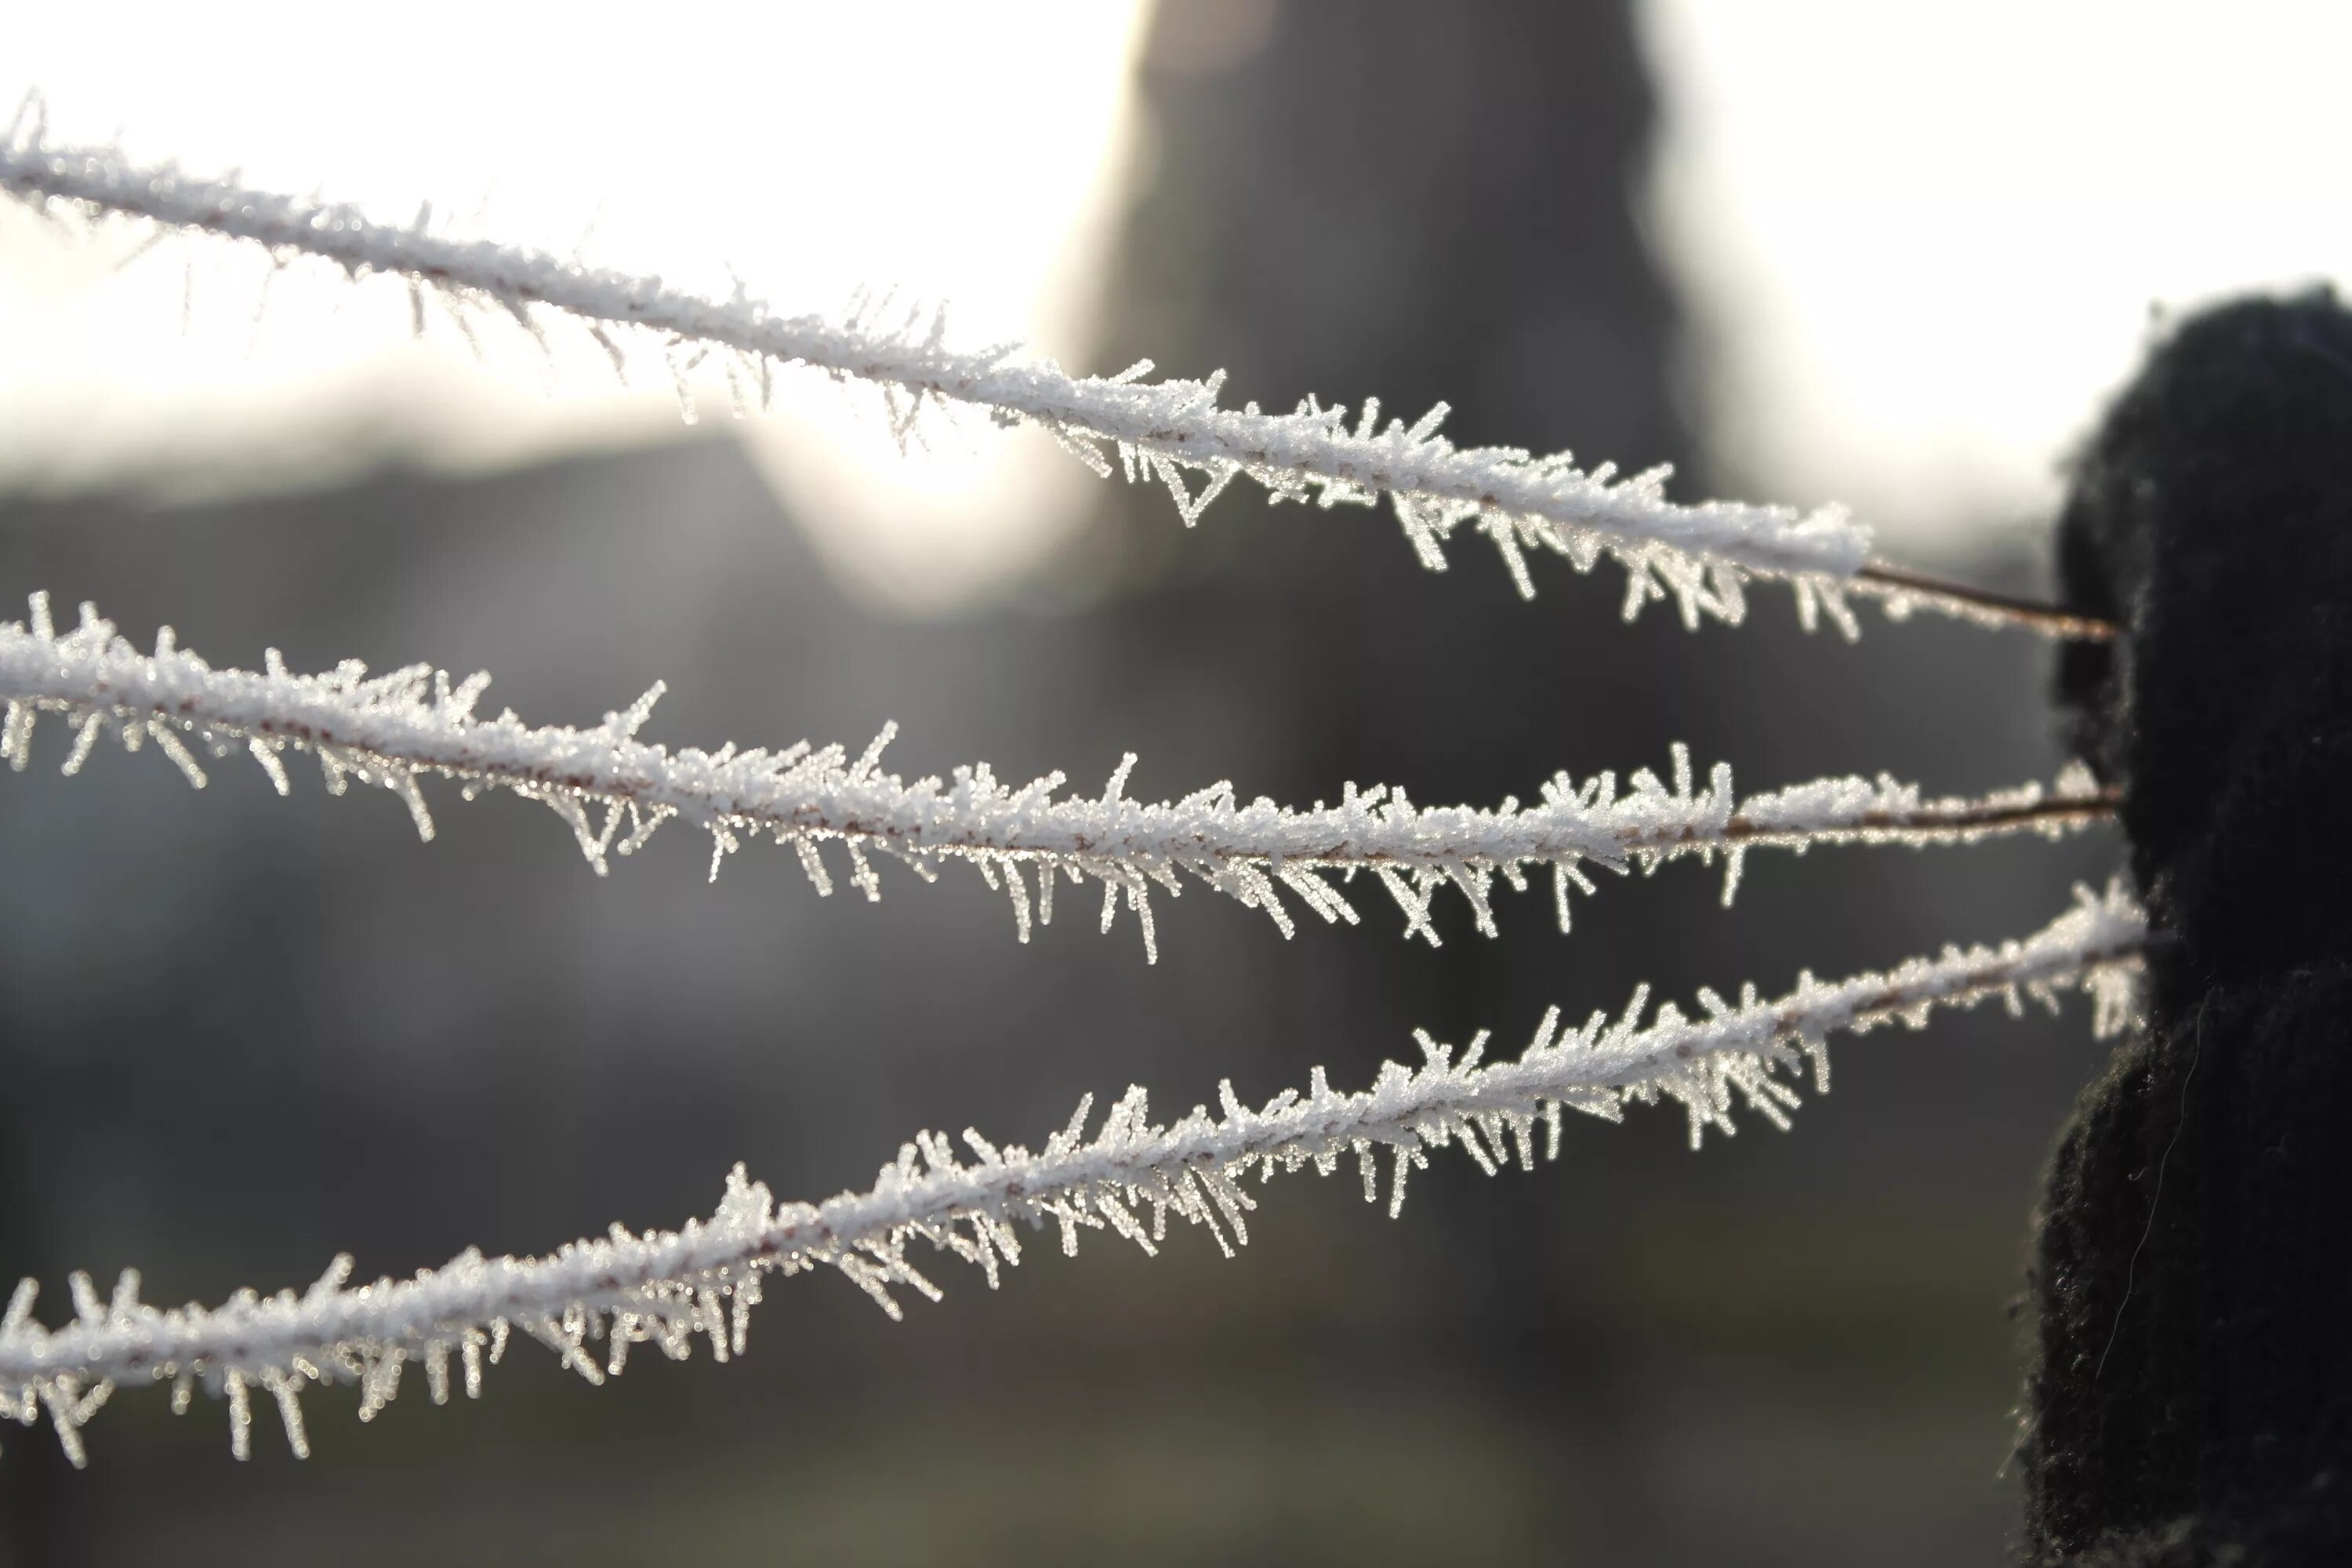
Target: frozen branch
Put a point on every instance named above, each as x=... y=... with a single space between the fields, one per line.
x=669 y=1287
x=1169 y=431
x=613 y=790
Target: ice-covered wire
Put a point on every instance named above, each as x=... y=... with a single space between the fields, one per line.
x=613 y=790
x=1172 y=431
x=1128 y=1176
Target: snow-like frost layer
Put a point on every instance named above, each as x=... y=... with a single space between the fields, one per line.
x=614 y=791
x=1129 y=1176
x=1166 y=430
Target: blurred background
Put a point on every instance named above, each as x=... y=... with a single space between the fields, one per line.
x=1820 y=251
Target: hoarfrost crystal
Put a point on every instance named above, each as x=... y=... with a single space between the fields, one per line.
x=613 y=791
x=1170 y=432
x=592 y=1300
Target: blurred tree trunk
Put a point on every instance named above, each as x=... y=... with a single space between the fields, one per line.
x=1417 y=203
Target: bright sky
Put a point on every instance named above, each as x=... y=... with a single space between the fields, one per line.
x=1924 y=240
x=1920 y=242
x=959 y=152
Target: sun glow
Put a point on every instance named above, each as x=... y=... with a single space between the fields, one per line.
x=958 y=154
x=1921 y=243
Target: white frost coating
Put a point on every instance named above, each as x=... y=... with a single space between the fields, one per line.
x=393 y=730
x=1163 y=430
x=666 y=1287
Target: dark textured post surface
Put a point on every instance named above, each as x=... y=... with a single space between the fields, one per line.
x=2191 y=1400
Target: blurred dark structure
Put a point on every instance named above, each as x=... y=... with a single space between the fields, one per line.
x=241 y=1034
x=2191 y=1381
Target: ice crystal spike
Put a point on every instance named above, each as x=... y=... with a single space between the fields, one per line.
x=1166 y=432
x=670 y=1288
x=395 y=730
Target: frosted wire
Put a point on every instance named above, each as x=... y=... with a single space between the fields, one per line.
x=1128 y=1176
x=1172 y=431
x=613 y=790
